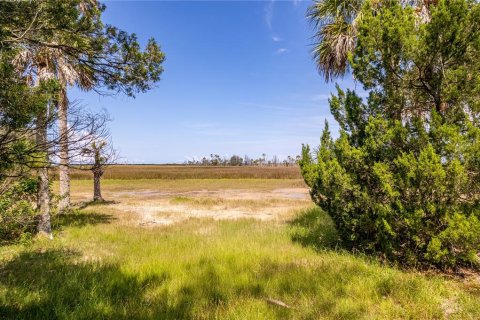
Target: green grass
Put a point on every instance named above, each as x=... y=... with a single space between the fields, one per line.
x=116 y=185
x=97 y=268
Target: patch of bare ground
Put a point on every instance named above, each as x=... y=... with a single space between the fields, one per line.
x=450 y=307
x=151 y=208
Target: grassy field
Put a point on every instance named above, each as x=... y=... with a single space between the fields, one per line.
x=212 y=249
x=192 y=172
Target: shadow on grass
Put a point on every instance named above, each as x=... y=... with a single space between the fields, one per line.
x=59 y=285
x=84 y=204
x=215 y=286
x=77 y=218
x=314 y=228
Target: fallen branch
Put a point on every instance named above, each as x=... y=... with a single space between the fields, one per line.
x=278 y=303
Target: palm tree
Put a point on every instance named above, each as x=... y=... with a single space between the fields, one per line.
x=36 y=65
x=336 y=24
x=43 y=63
x=68 y=73
x=336 y=31
x=80 y=51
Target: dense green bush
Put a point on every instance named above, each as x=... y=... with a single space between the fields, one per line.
x=17 y=213
x=403 y=178
x=404 y=191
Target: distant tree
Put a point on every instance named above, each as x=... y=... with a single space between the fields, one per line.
x=275 y=160
x=236 y=161
x=263 y=160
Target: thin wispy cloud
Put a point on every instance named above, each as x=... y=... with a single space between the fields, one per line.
x=269 y=10
x=269 y=13
x=276 y=39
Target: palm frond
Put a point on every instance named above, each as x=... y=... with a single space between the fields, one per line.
x=335 y=21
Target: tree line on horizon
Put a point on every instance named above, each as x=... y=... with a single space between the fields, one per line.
x=235 y=160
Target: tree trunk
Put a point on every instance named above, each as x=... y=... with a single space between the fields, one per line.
x=64 y=170
x=97 y=193
x=43 y=197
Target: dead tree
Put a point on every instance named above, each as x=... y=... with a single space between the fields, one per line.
x=96 y=157
x=95 y=151
x=86 y=132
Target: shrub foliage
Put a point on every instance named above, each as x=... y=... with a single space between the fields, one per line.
x=403 y=178
x=17 y=214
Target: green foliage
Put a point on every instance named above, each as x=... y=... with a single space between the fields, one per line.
x=71 y=36
x=65 y=40
x=414 y=201
x=402 y=179
x=411 y=66
x=19 y=105
x=17 y=213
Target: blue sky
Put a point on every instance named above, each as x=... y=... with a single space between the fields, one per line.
x=238 y=79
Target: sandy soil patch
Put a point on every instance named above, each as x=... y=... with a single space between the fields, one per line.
x=157 y=208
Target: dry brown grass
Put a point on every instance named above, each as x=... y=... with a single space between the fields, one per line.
x=129 y=172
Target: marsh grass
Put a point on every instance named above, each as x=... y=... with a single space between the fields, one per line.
x=205 y=269
x=129 y=172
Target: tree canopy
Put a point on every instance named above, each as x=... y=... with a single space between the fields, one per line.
x=403 y=178
x=45 y=46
